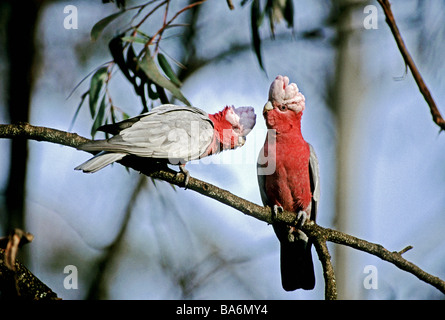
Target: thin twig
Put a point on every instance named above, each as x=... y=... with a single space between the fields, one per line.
x=379 y=251
x=407 y=248
x=164 y=25
x=437 y=117
x=149 y=14
x=161 y=30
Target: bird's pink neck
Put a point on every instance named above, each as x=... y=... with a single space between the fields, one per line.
x=290 y=134
x=218 y=117
x=222 y=139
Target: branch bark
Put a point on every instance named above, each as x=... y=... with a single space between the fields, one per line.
x=318 y=234
x=330 y=291
x=21 y=283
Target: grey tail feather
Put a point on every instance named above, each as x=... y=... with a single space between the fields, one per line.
x=96 y=145
x=297 y=269
x=100 y=161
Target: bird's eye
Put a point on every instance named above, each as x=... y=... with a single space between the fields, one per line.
x=283 y=107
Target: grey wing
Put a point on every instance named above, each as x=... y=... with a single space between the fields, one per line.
x=168 y=131
x=117 y=127
x=261 y=184
x=262 y=181
x=315 y=182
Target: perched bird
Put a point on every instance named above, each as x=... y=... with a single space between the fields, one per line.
x=173 y=134
x=293 y=185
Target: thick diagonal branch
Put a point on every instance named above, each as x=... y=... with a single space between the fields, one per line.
x=319 y=234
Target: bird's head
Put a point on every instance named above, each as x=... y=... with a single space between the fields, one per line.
x=285 y=106
x=233 y=125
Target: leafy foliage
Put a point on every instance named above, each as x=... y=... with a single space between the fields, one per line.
x=275 y=10
x=119 y=3
x=137 y=55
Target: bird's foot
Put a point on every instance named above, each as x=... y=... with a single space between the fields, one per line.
x=186 y=174
x=301 y=219
x=294 y=232
x=277 y=210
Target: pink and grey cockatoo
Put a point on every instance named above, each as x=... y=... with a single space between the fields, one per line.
x=173 y=134
x=293 y=185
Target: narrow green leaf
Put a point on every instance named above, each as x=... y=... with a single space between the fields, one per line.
x=269 y=10
x=162 y=95
x=134 y=40
x=147 y=64
x=255 y=19
x=289 y=13
x=100 y=116
x=113 y=116
x=96 y=84
x=125 y=116
x=140 y=91
x=100 y=26
x=117 y=52
x=168 y=69
x=143 y=34
x=82 y=99
x=132 y=65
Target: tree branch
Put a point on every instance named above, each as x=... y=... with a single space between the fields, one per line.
x=27 y=131
x=318 y=234
x=437 y=117
x=21 y=283
x=330 y=291
x=379 y=251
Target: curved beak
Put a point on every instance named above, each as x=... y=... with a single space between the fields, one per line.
x=267 y=107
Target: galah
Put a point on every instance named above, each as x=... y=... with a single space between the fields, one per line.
x=173 y=134
x=293 y=184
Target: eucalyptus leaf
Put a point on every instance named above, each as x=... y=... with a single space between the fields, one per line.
x=82 y=99
x=255 y=21
x=147 y=64
x=96 y=84
x=117 y=52
x=165 y=66
x=143 y=34
x=134 y=40
x=289 y=13
x=100 y=116
x=100 y=26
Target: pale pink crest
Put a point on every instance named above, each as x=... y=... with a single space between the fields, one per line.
x=283 y=93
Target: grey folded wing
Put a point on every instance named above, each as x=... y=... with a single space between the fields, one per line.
x=167 y=132
x=315 y=182
x=262 y=178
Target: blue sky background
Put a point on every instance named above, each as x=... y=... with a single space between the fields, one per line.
x=396 y=184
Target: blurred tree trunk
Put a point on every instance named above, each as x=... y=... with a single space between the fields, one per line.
x=348 y=91
x=21 y=27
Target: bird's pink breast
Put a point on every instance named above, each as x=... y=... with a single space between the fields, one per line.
x=289 y=186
